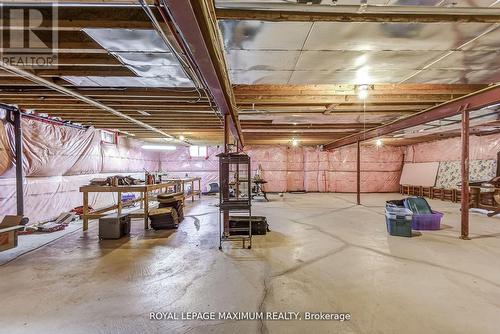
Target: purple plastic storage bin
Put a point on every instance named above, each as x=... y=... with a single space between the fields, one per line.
x=430 y=221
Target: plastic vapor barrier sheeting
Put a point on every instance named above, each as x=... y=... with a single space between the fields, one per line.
x=57 y=160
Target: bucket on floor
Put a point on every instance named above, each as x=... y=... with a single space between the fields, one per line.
x=424 y=218
x=430 y=221
x=398 y=221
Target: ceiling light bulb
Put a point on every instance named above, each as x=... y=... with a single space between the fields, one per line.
x=363 y=94
x=379 y=142
x=295 y=142
x=181 y=137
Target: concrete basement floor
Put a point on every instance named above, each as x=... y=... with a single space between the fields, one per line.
x=324 y=254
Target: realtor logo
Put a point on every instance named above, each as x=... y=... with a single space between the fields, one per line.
x=28 y=35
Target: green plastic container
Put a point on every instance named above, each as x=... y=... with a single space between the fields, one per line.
x=398 y=221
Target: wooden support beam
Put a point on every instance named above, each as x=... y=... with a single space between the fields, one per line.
x=349 y=89
x=283 y=13
x=75 y=18
x=61 y=71
x=338 y=99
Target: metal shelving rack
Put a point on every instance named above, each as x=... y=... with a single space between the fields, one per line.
x=234 y=196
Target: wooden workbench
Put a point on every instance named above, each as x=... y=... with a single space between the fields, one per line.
x=143 y=189
x=191 y=180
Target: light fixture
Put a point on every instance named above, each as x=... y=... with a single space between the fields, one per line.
x=363 y=75
x=363 y=92
x=295 y=142
x=361 y=60
x=159 y=147
x=181 y=137
x=294 y=123
x=379 y=142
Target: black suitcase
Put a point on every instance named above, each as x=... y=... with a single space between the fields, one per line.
x=164 y=218
x=259 y=225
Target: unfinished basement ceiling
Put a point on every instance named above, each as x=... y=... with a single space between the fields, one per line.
x=482 y=122
x=260 y=52
x=141 y=51
x=290 y=79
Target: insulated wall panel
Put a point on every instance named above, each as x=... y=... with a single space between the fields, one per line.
x=419 y=174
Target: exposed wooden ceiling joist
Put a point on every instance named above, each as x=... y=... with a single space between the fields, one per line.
x=346 y=89
x=432 y=15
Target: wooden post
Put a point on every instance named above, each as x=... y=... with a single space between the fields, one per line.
x=358 y=174
x=199 y=187
x=498 y=164
x=146 y=208
x=85 y=211
x=119 y=203
x=465 y=174
x=192 y=190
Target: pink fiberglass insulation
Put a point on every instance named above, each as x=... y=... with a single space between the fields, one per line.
x=295 y=169
x=481 y=148
x=179 y=163
x=300 y=168
x=56 y=150
x=273 y=160
x=380 y=169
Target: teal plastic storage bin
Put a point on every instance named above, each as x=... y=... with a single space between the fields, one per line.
x=398 y=221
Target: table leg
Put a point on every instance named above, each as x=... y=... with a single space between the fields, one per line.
x=192 y=191
x=119 y=203
x=85 y=210
x=146 y=210
x=199 y=188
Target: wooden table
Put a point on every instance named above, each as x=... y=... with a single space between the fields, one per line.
x=191 y=180
x=143 y=189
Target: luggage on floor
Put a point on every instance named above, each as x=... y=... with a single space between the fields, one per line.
x=238 y=225
x=163 y=218
x=398 y=221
